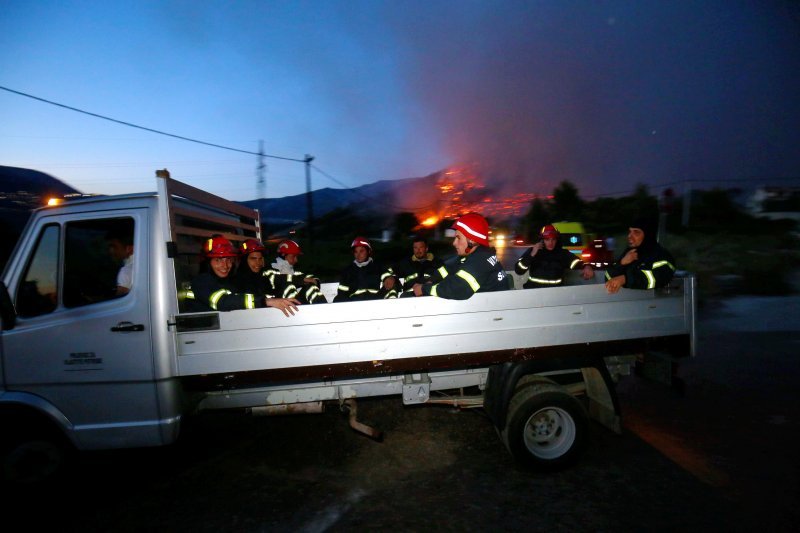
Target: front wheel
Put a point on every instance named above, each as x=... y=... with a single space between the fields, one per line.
x=545 y=428
x=32 y=454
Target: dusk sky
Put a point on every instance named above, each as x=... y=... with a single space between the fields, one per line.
x=606 y=94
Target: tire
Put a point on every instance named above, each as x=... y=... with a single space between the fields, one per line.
x=34 y=456
x=546 y=427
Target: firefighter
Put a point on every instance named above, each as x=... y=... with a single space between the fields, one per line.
x=287 y=281
x=545 y=262
x=250 y=275
x=364 y=278
x=421 y=267
x=216 y=290
x=477 y=269
x=644 y=264
x=120 y=248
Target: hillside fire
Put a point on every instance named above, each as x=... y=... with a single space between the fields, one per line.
x=462 y=190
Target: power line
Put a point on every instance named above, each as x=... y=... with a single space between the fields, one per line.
x=148 y=129
x=127 y=165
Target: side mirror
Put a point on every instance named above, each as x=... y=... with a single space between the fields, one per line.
x=8 y=315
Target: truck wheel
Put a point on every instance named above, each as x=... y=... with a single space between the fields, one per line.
x=33 y=459
x=545 y=428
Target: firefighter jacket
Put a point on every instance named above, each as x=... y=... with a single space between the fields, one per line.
x=251 y=282
x=654 y=268
x=210 y=292
x=479 y=271
x=546 y=268
x=431 y=269
x=364 y=282
x=286 y=282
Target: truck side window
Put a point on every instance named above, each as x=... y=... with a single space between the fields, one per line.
x=38 y=292
x=98 y=258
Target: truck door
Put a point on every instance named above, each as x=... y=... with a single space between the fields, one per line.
x=82 y=340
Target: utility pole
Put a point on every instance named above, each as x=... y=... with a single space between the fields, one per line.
x=309 y=203
x=262 y=185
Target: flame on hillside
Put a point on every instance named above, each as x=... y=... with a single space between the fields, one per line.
x=430 y=221
x=462 y=190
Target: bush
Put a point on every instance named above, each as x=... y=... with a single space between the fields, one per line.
x=763 y=263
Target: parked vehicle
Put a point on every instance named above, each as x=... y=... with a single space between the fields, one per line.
x=573 y=236
x=597 y=254
x=84 y=368
x=517 y=240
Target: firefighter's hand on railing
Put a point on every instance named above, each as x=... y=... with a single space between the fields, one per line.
x=614 y=284
x=417 y=289
x=287 y=305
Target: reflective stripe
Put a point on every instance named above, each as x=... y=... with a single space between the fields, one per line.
x=469 y=278
x=386 y=274
x=412 y=276
x=362 y=291
x=442 y=272
x=470 y=230
x=608 y=276
x=391 y=294
x=662 y=263
x=249 y=301
x=572 y=265
x=215 y=297
x=545 y=281
x=290 y=291
x=311 y=293
x=189 y=295
x=343 y=288
x=434 y=292
x=651 y=279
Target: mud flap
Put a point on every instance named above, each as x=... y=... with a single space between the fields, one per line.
x=601 y=401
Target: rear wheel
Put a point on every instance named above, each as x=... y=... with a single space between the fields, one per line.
x=545 y=428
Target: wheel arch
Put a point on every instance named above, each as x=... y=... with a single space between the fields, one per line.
x=502 y=380
x=31 y=410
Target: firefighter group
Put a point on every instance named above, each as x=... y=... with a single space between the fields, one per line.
x=644 y=264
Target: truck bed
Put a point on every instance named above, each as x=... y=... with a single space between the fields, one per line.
x=412 y=334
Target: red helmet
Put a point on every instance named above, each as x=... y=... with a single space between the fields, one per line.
x=219 y=247
x=361 y=241
x=252 y=245
x=474 y=227
x=289 y=247
x=549 y=232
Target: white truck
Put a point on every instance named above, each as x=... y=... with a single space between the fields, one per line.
x=82 y=368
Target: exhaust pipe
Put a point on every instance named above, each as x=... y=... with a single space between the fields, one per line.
x=370 y=432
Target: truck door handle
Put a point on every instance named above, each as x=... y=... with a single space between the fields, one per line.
x=127 y=326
